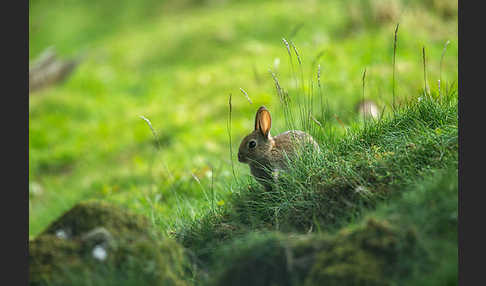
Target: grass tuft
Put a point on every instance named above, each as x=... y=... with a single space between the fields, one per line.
x=410 y=241
x=393 y=64
x=332 y=188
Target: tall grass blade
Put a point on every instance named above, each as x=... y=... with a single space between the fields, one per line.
x=426 y=88
x=246 y=95
x=394 y=61
x=229 y=135
x=363 y=80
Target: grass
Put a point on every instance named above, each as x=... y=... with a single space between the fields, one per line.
x=176 y=63
x=409 y=241
x=96 y=112
x=328 y=190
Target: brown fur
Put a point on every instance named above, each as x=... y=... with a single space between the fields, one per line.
x=267 y=158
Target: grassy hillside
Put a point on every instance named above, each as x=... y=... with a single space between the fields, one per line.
x=412 y=240
x=176 y=63
x=325 y=191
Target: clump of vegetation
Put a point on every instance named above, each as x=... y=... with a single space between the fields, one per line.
x=390 y=245
x=325 y=191
x=363 y=256
x=368 y=256
x=88 y=215
x=256 y=259
x=99 y=243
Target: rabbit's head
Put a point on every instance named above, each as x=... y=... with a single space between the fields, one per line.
x=257 y=145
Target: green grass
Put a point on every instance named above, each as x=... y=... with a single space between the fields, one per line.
x=150 y=65
x=411 y=240
x=177 y=62
x=328 y=190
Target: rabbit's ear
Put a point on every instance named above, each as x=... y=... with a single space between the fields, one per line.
x=263 y=121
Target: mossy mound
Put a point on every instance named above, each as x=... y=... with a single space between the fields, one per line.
x=100 y=244
x=368 y=255
x=45 y=253
x=86 y=216
x=254 y=260
x=412 y=240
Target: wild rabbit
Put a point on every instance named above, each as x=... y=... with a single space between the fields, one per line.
x=266 y=154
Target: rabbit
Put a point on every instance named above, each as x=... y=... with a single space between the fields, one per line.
x=265 y=154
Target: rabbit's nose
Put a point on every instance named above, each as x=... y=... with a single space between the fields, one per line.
x=239 y=157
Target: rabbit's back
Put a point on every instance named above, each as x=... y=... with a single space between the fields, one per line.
x=288 y=142
x=291 y=139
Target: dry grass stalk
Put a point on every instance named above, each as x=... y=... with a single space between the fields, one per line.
x=246 y=95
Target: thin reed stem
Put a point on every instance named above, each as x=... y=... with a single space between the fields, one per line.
x=200 y=185
x=284 y=100
x=305 y=111
x=158 y=147
x=363 y=80
x=212 y=188
x=152 y=129
x=246 y=95
x=394 y=58
x=289 y=53
x=426 y=90
x=229 y=135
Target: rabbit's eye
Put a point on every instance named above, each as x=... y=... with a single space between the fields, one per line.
x=252 y=144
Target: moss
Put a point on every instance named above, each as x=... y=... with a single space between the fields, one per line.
x=156 y=262
x=94 y=214
x=365 y=256
x=45 y=253
x=254 y=260
x=105 y=246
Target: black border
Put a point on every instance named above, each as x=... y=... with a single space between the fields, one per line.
x=15 y=131
x=471 y=239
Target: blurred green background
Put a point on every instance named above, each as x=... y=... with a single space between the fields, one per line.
x=176 y=62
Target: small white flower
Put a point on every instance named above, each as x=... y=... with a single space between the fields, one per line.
x=99 y=253
x=363 y=191
x=61 y=233
x=360 y=189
